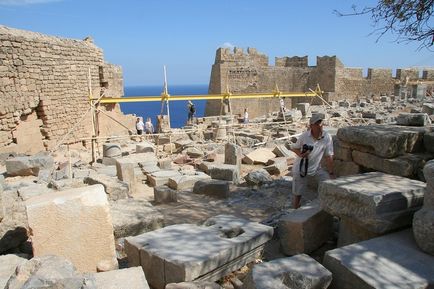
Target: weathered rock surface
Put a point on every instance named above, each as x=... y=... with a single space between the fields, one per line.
x=29 y=165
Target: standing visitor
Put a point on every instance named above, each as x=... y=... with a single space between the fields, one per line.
x=149 y=127
x=311 y=147
x=191 y=112
x=139 y=126
x=282 y=105
x=246 y=116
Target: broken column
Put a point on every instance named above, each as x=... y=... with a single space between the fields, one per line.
x=75 y=224
x=188 y=252
x=423 y=221
x=371 y=204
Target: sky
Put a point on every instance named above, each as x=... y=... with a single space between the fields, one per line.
x=144 y=35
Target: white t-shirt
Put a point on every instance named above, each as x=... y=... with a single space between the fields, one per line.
x=140 y=125
x=321 y=147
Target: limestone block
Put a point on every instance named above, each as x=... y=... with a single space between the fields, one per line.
x=258 y=178
x=223 y=244
x=129 y=278
x=304 y=230
x=278 y=166
x=428 y=108
x=149 y=169
x=383 y=141
x=299 y=271
x=391 y=261
x=282 y=151
x=32 y=190
x=114 y=188
x=125 y=172
x=162 y=177
x=165 y=164
x=183 y=143
x=341 y=152
x=111 y=150
x=428 y=171
x=187 y=181
x=133 y=217
x=75 y=224
x=233 y=154
x=145 y=147
x=164 y=194
x=47 y=272
x=351 y=232
x=379 y=202
x=304 y=108
x=214 y=188
x=2 y=213
x=404 y=166
x=109 y=161
x=226 y=173
x=205 y=166
x=423 y=229
x=27 y=166
x=413 y=119
x=194 y=285
x=258 y=156
x=194 y=152
x=428 y=141
x=8 y=264
x=342 y=168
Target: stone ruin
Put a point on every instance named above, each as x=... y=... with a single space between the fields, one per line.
x=251 y=73
x=44 y=84
x=208 y=206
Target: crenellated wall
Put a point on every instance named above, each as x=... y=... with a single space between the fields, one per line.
x=44 y=87
x=250 y=73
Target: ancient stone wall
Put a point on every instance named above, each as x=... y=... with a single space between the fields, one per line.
x=44 y=85
x=250 y=73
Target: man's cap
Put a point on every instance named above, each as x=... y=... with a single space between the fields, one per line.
x=316 y=117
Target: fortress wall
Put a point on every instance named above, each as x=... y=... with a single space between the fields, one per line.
x=44 y=80
x=244 y=73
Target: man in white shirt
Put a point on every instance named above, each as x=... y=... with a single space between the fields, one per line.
x=139 y=126
x=310 y=148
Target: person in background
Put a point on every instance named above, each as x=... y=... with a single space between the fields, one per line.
x=191 y=112
x=139 y=126
x=311 y=147
x=282 y=105
x=149 y=127
x=246 y=116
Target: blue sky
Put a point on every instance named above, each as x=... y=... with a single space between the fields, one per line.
x=144 y=35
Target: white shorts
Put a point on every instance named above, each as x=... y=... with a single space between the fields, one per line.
x=299 y=184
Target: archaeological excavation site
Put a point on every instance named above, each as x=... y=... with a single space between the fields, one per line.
x=297 y=176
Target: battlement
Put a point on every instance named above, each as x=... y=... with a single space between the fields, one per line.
x=237 y=56
x=295 y=61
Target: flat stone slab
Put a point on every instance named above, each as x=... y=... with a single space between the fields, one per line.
x=187 y=252
x=131 y=278
x=187 y=181
x=132 y=217
x=225 y=172
x=160 y=178
x=387 y=262
x=379 y=202
x=214 y=188
x=300 y=271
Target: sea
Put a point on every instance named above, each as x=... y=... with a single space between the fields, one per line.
x=178 y=109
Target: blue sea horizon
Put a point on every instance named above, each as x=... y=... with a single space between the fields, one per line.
x=178 y=108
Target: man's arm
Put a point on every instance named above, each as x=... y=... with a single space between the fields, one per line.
x=329 y=164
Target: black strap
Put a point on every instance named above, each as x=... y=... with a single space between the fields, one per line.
x=306 y=165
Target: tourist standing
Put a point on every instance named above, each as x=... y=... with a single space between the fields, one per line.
x=139 y=126
x=149 y=127
x=191 y=112
x=246 y=116
x=311 y=147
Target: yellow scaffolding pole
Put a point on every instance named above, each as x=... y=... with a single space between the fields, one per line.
x=164 y=97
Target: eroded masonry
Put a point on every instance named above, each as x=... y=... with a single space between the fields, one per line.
x=44 y=88
x=251 y=73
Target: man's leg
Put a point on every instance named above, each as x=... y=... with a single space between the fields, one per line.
x=298 y=188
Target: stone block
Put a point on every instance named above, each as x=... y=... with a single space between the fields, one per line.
x=194 y=285
x=413 y=119
x=299 y=271
x=109 y=161
x=304 y=108
x=129 y=278
x=342 y=168
x=351 y=232
x=277 y=166
x=304 y=230
x=282 y=151
x=258 y=156
x=165 y=164
x=214 y=188
x=341 y=152
x=8 y=264
x=114 y=188
x=428 y=108
x=222 y=245
x=233 y=154
x=428 y=142
x=131 y=217
x=423 y=229
x=125 y=172
x=164 y=194
x=74 y=223
x=27 y=166
x=187 y=181
x=111 y=150
x=205 y=166
x=226 y=173
x=391 y=261
x=376 y=201
x=145 y=147
x=258 y=178
x=160 y=178
x=382 y=140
